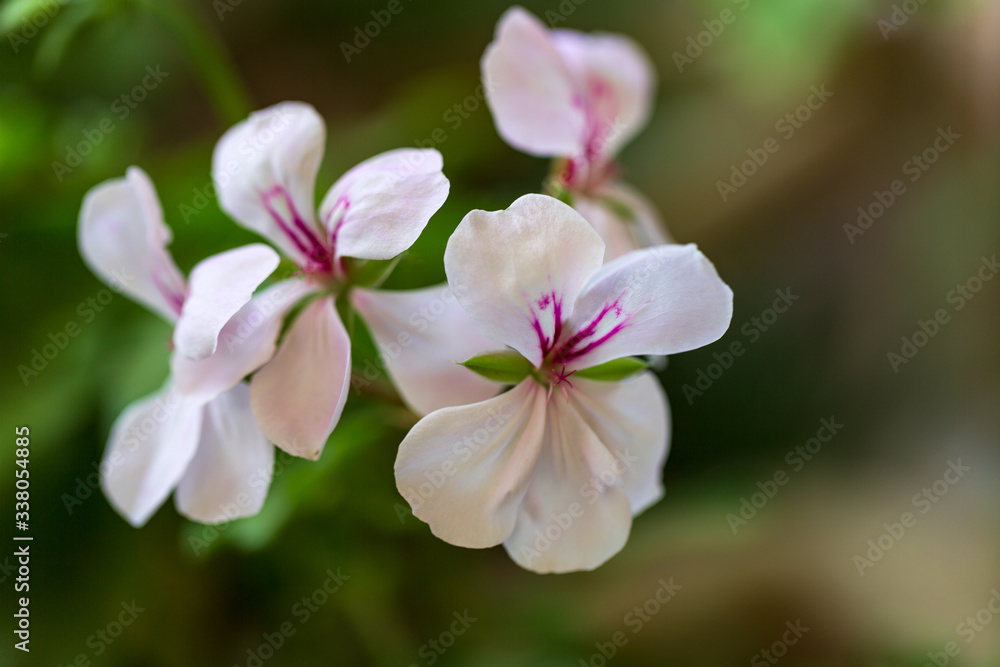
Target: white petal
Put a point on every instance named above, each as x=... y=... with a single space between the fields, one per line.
x=265 y=169
x=298 y=396
x=661 y=300
x=536 y=104
x=218 y=287
x=124 y=241
x=632 y=419
x=625 y=219
x=150 y=446
x=575 y=514
x=378 y=209
x=619 y=82
x=463 y=470
x=231 y=472
x=517 y=272
x=422 y=336
x=246 y=342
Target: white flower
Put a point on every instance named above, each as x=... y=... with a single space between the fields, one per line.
x=556 y=467
x=265 y=174
x=579 y=98
x=195 y=435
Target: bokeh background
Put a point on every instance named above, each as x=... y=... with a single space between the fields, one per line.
x=209 y=597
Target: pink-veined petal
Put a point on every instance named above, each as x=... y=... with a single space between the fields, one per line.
x=625 y=219
x=619 y=82
x=246 y=343
x=517 y=272
x=575 y=514
x=124 y=240
x=530 y=90
x=423 y=335
x=264 y=169
x=661 y=300
x=464 y=470
x=379 y=208
x=230 y=474
x=217 y=288
x=298 y=396
x=150 y=446
x=632 y=419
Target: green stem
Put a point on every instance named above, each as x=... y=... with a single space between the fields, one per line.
x=205 y=51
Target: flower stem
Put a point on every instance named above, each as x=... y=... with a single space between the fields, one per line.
x=205 y=52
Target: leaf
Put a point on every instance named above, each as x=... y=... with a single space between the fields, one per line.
x=372 y=273
x=15 y=14
x=506 y=366
x=614 y=370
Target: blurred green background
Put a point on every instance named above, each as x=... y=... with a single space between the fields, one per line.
x=212 y=596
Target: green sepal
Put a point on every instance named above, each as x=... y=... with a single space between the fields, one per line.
x=506 y=366
x=371 y=273
x=621 y=210
x=614 y=370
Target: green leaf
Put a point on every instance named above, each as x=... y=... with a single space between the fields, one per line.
x=17 y=13
x=372 y=273
x=505 y=366
x=614 y=370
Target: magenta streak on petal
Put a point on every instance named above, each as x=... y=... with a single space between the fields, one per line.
x=312 y=247
x=597 y=137
x=173 y=298
x=545 y=343
x=570 y=350
x=597 y=343
x=342 y=200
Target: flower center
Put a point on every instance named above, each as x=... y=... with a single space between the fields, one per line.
x=319 y=257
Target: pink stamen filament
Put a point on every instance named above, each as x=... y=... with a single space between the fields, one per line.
x=318 y=254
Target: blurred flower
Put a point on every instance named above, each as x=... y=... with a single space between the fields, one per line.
x=196 y=434
x=265 y=173
x=557 y=475
x=578 y=98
